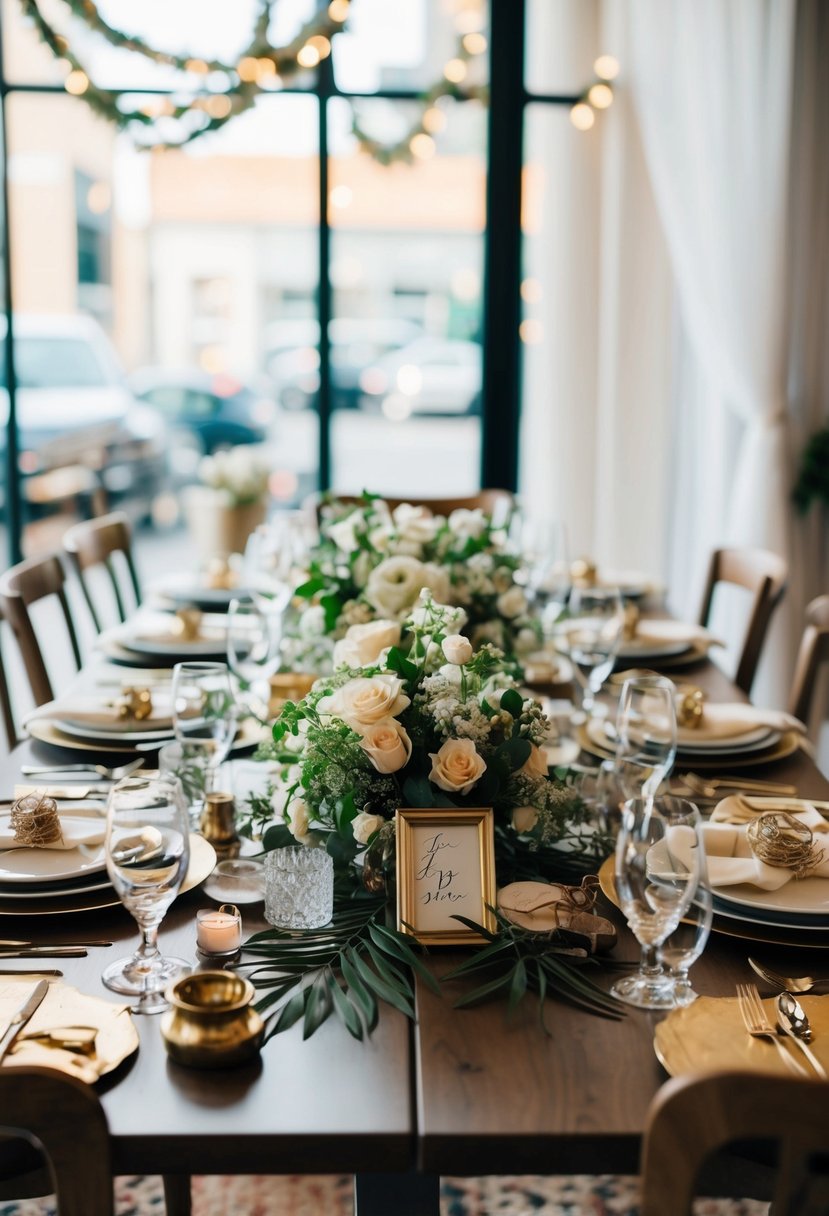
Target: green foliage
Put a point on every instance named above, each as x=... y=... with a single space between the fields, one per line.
x=813 y=478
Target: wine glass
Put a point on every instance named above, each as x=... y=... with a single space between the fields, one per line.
x=547 y=568
x=147 y=853
x=645 y=734
x=253 y=640
x=204 y=715
x=275 y=556
x=659 y=859
x=683 y=947
x=590 y=635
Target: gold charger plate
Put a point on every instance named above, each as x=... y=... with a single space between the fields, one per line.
x=116 y=1039
x=771 y=935
x=786 y=745
x=45 y=731
x=202 y=861
x=709 y=1036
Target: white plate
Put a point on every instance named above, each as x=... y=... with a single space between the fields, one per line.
x=185 y=590
x=651 y=648
x=738 y=749
x=817 y=921
x=112 y=736
x=803 y=897
x=749 y=738
x=51 y=865
x=48 y=892
x=46 y=730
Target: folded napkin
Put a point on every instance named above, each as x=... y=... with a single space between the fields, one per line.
x=75 y=832
x=727 y=721
x=88 y=712
x=664 y=632
x=731 y=862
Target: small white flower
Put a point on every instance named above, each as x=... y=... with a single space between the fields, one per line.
x=466 y=524
x=298 y=820
x=457 y=649
x=364 y=826
x=415 y=523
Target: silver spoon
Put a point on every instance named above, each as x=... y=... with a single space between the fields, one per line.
x=792 y=1019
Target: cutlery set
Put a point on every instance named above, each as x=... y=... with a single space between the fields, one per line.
x=792 y=1022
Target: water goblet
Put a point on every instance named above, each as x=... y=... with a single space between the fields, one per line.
x=683 y=947
x=659 y=859
x=590 y=635
x=645 y=734
x=147 y=853
x=253 y=641
x=547 y=567
x=204 y=716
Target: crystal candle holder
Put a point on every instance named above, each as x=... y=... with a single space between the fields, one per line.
x=299 y=887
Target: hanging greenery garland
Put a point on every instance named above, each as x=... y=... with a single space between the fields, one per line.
x=219 y=91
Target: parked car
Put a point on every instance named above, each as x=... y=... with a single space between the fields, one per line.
x=429 y=376
x=80 y=430
x=355 y=343
x=218 y=410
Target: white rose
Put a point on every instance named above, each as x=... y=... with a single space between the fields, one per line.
x=395 y=584
x=457 y=649
x=456 y=766
x=415 y=523
x=366 y=700
x=298 y=821
x=536 y=763
x=467 y=524
x=387 y=745
x=524 y=818
x=379 y=538
x=343 y=534
x=364 y=826
x=364 y=644
x=512 y=603
x=502 y=579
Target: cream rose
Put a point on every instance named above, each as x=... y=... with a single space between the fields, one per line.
x=457 y=649
x=363 y=644
x=394 y=585
x=524 y=818
x=512 y=603
x=467 y=523
x=387 y=745
x=366 y=700
x=456 y=766
x=298 y=824
x=364 y=826
x=415 y=523
x=536 y=763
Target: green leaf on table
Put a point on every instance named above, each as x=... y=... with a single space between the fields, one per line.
x=363 y=996
x=344 y=1008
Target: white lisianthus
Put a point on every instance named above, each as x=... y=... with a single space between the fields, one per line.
x=380 y=538
x=364 y=826
x=387 y=745
x=524 y=818
x=298 y=821
x=363 y=644
x=361 y=568
x=525 y=641
x=394 y=585
x=467 y=524
x=415 y=523
x=456 y=766
x=366 y=700
x=457 y=649
x=343 y=533
x=511 y=603
x=536 y=763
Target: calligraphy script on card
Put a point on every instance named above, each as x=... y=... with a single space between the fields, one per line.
x=445 y=868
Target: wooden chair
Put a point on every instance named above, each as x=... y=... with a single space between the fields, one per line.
x=693 y=1117
x=6 y=706
x=764 y=575
x=20 y=587
x=490 y=500
x=813 y=653
x=63 y=1117
x=104 y=542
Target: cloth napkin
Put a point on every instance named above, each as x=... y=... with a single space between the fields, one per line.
x=88 y=712
x=663 y=632
x=730 y=720
x=76 y=832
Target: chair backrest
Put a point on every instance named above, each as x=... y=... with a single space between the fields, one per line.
x=20 y=587
x=813 y=653
x=694 y=1116
x=762 y=573
x=64 y=1117
x=99 y=542
x=6 y=705
x=490 y=500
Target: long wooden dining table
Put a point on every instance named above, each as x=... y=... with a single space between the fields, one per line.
x=460 y=1091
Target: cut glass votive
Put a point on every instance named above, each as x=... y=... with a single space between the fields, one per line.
x=299 y=887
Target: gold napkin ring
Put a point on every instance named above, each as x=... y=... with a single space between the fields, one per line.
x=188 y=623
x=135 y=703
x=778 y=839
x=630 y=622
x=690 y=706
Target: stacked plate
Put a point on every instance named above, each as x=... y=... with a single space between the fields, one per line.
x=795 y=915
x=757 y=744
x=192 y=591
x=158 y=638
x=41 y=882
x=664 y=643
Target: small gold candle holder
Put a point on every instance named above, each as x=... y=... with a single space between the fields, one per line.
x=218 y=824
x=690 y=706
x=135 y=703
x=211 y=1022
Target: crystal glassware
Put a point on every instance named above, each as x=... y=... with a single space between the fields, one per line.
x=659 y=860
x=683 y=947
x=299 y=887
x=645 y=734
x=254 y=634
x=590 y=635
x=546 y=565
x=147 y=853
x=204 y=716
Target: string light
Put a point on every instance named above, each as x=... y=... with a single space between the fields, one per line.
x=321 y=45
x=606 y=67
x=308 y=57
x=422 y=146
x=76 y=83
x=455 y=70
x=582 y=116
x=218 y=106
x=530 y=332
x=474 y=43
x=531 y=291
x=434 y=120
x=600 y=96
x=338 y=10
x=248 y=69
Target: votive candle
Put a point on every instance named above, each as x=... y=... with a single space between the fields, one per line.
x=220 y=931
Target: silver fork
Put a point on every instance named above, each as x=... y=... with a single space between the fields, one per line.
x=759 y=1027
x=110 y=774
x=791 y=983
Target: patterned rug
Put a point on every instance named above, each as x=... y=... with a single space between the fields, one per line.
x=594 y=1195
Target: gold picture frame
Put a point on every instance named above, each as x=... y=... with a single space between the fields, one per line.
x=429 y=894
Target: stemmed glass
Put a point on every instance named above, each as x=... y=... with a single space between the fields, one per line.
x=684 y=946
x=645 y=734
x=659 y=860
x=547 y=569
x=147 y=854
x=591 y=635
x=204 y=716
x=253 y=640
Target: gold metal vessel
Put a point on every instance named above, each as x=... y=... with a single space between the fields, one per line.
x=211 y=1023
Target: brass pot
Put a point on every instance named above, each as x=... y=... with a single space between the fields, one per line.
x=211 y=1023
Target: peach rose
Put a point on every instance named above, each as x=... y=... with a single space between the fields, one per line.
x=366 y=700
x=536 y=763
x=456 y=766
x=387 y=745
x=524 y=818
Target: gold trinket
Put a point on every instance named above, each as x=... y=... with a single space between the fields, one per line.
x=690 y=705
x=188 y=623
x=583 y=572
x=630 y=622
x=219 y=576
x=288 y=686
x=35 y=821
x=135 y=703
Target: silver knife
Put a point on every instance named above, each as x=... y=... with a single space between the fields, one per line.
x=22 y=1016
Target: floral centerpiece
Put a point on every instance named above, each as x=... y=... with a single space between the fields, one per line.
x=434 y=724
x=230 y=502
x=371 y=563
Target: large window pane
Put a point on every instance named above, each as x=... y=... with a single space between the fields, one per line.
x=406 y=270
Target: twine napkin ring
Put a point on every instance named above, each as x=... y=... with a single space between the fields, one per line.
x=35 y=821
x=690 y=706
x=630 y=622
x=188 y=623
x=135 y=703
x=779 y=839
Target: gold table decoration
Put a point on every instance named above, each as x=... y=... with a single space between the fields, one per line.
x=690 y=706
x=211 y=1022
x=64 y=1006
x=709 y=1036
x=135 y=703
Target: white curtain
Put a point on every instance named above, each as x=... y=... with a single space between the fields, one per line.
x=712 y=82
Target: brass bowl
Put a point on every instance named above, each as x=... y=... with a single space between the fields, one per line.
x=211 y=1023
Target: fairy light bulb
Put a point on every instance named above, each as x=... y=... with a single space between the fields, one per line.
x=434 y=120
x=582 y=116
x=606 y=67
x=76 y=83
x=455 y=71
x=308 y=56
x=474 y=43
x=422 y=146
x=248 y=69
x=338 y=10
x=600 y=96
